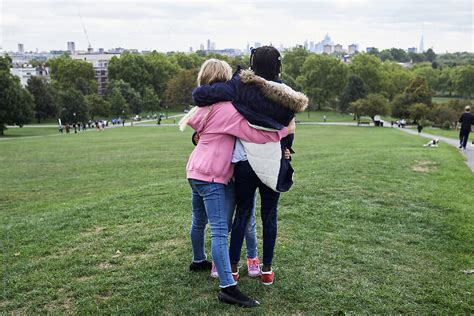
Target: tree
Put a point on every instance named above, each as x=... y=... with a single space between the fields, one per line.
x=70 y=73
x=119 y=106
x=446 y=81
x=293 y=60
x=161 y=71
x=180 y=88
x=396 y=79
x=132 y=97
x=464 y=80
x=399 y=55
x=130 y=68
x=418 y=92
x=430 y=55
x=45 y=103
x=354 y=90
x=418 y=111
x=97 y=105
x=401 y=106
x=16 y=103
x=386 y=55
x=374 y=104
x=323 y=78
x=73 y=106
x=187 y=61
x=426 y=70
x=369 y=68
x=417 y=58
x=151 y=102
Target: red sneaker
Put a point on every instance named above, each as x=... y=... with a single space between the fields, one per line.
x=235 y=275
x=267 y=277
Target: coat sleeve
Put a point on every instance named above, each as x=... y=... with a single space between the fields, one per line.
x=239 y=127
x=214 y=93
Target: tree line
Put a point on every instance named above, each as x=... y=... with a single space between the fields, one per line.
x=371 y=83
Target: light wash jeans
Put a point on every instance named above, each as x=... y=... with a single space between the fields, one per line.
x=209 y=205
x=251 y=229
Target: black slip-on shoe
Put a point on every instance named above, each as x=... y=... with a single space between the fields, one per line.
x=200 y=266
x=236 y=297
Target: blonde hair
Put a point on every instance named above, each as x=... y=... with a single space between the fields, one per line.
x=467 y=108
x=184 y=121
x=214 y=70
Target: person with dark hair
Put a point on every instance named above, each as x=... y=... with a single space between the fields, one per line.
x=466 y=120
x=258 y=166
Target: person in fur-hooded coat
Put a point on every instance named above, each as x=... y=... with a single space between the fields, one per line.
x=266 y=105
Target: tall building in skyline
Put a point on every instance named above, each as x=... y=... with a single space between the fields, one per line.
x=71 y=47
x=422 y=49
x=208 y=44
x=21 y=48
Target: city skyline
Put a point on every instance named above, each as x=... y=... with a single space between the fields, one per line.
x=178 y=25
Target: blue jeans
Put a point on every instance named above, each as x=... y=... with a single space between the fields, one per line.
x=209 y=204
x=251 y=228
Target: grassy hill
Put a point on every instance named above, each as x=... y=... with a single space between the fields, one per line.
x=99 y=222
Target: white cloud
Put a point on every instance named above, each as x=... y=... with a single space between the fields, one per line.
x=178 y=24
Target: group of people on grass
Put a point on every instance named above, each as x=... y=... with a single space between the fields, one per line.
x=244 y=125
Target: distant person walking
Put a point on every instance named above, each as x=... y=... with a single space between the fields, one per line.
x=419 y=127
x=466 y=120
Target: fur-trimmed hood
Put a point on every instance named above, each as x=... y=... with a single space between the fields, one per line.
x=277 y=92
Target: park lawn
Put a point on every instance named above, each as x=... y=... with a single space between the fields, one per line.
x=442 y=132
x=445 y=99
x=318 y=116
x=29 y=131
x=98 y=222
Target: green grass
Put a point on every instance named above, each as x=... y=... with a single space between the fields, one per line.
x=99 y=222
x=318 y=116
x=445 y=99
x=29 y=131
x=442 y=132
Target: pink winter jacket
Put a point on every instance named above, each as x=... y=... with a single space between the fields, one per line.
x=211 y=160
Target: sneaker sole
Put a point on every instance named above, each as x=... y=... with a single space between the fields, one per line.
x=252 y=275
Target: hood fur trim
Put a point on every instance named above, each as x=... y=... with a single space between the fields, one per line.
x=277 y=92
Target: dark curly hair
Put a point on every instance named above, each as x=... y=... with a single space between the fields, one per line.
x=265 y=61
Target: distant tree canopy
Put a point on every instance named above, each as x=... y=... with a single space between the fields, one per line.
x=44 y=98
x=147 y=82
x=16 y=103
x=70 y=73
x=322 y=78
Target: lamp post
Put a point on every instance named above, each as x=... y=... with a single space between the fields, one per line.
x=123 y=117
x=75 y=123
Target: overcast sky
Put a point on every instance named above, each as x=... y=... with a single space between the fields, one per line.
x=447 y=25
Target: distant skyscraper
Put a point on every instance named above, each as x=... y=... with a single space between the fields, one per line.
x=353 y=48
x=338 y=48
x=327 y=49
x=71 y=47
x=201 y=47
x=412 y=50
x=21 y=48
x=422 y=49
x=208 y=44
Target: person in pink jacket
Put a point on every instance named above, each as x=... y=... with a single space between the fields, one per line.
x=209 y=169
